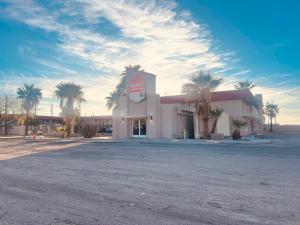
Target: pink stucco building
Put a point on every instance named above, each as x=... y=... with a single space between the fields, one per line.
x=143 y=113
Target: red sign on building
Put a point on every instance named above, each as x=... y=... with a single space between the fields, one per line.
x=136 y=89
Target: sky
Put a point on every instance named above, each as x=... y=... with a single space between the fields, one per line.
x=89 y=42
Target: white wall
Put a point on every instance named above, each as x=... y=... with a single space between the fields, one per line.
x=233 y=108
x=167 y=114
x=223 y=125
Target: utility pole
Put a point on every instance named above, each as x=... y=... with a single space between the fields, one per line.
x=5 y=116
x=79 y=110
x=51 y=120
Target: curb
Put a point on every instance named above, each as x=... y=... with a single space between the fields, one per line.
x=144 y=141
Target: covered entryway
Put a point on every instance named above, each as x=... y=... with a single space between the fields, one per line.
x=185 y=124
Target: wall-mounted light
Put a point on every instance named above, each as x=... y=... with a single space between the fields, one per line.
x=151 y=118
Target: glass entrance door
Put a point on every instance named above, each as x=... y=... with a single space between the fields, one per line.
x=139 y=127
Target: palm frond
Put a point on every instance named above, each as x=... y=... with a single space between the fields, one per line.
x=29 y=95
x=238 y=123
x=244 y=85
x=130 y=68
x=271 y=110
x=190 y=88
x=112 y=100
x=216 y=113
x=206 y=80
x=68 y=93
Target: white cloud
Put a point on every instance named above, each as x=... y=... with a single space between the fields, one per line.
x=155 y=34
x=287 y=99
x=240 y=73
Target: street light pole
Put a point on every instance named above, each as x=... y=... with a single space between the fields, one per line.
x=5 y=116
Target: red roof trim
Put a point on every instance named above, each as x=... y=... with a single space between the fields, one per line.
x=244 y=95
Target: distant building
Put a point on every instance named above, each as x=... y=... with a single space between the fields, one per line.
x=49 y=123
x=104 y=123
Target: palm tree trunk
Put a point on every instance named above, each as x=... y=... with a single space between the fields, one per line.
x=199 y=127
x=5 y=116
x=26 y=123
x=271 y=124
x=213 y=129
x=198 y=120
x=205 y=128
x=69 y=130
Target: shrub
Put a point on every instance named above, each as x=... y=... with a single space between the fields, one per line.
x=87 y=129
x=63 y=131
x=237 y=124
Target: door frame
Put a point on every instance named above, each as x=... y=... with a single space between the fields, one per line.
x=139 y=135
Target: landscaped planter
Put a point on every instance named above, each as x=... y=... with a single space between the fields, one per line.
x=217 y=136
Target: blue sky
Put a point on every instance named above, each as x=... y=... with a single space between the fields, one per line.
x=90 y=41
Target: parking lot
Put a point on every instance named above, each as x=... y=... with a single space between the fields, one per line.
x=151 y=183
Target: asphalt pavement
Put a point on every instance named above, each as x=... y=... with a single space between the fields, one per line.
x=151 y=183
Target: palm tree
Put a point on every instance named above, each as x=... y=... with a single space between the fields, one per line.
x=200 y=88
x=130 y=68
x=271 y=110
x=30 y=97
x=238 y=124
x=216 y=113
x=112 y=101
x=244 y=85
x=69 y=94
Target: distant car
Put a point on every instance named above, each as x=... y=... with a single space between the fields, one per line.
x=108 y=130
x=105 y=130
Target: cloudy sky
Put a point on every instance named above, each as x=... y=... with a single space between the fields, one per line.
x=90 y=41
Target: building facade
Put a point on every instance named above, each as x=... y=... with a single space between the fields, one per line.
x=49 y=124
x=143 y=113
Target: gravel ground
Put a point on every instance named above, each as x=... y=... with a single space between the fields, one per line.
x=150 y=183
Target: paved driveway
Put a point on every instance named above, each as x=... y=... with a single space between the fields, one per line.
x=150 y=183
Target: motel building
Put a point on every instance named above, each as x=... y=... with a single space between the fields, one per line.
x=142 y=113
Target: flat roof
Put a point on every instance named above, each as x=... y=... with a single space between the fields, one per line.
x=97 y=117
x=244 y=95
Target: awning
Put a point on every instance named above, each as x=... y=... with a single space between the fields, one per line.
x=136 y=116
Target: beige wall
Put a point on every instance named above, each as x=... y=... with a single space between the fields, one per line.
x=233 y=108
x=284 y=128
x=223 y=125
x=128 y=110
x=170 y=120
x=167 y=113
x=177 y=119
x=237 y=109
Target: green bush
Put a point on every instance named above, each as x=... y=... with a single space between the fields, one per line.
x=238 y=124
x=87 y=129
